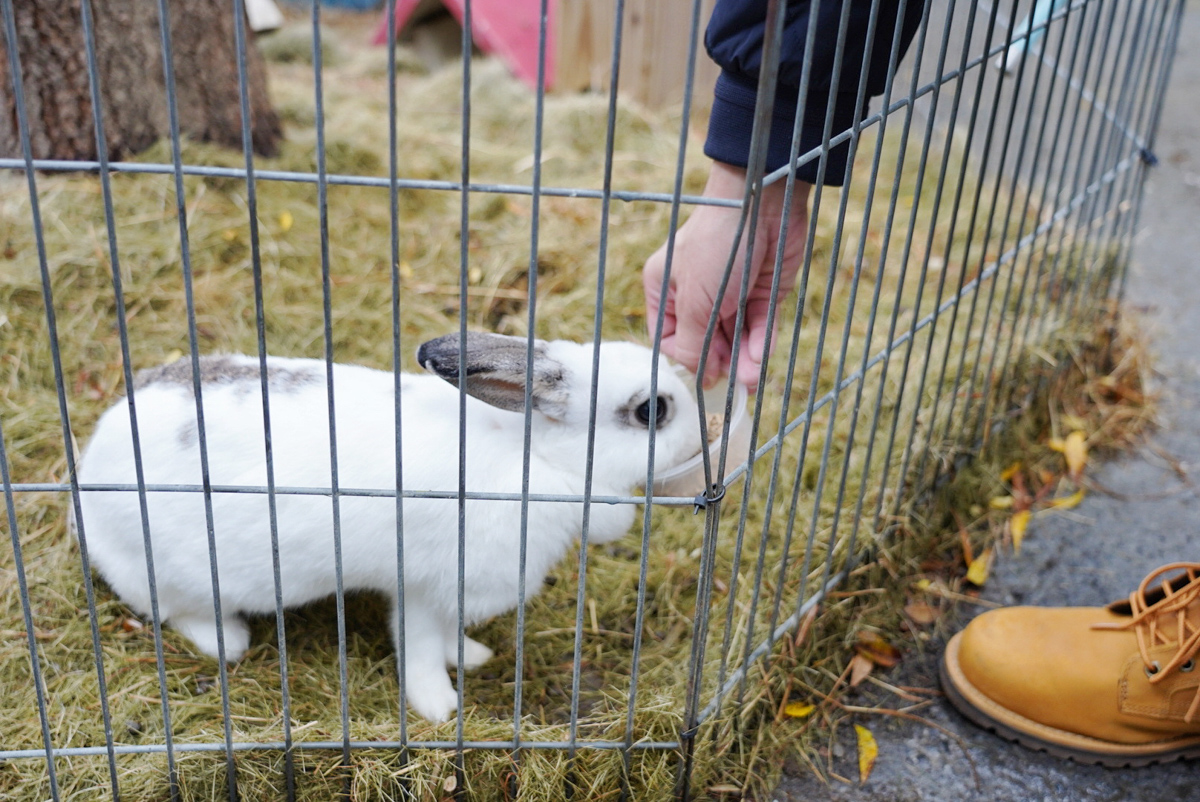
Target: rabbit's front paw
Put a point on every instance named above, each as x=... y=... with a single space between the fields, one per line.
x=432 y=696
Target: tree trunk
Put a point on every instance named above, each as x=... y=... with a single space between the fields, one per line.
x=132 y=87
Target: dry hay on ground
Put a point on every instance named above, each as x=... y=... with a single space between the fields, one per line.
x=499 y=244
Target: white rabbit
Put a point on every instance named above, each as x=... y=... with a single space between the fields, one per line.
x=364 y=401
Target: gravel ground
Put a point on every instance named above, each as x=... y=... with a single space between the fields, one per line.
x=1099 y=553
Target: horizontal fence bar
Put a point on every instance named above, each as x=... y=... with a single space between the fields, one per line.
x=155 y=749
x=332 y=179
x=61 y=165
x=362 y=492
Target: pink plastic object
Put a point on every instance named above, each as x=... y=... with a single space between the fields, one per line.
x=507 y=28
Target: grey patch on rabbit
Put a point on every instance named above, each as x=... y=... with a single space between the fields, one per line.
x=223 y=370
x=188 y=435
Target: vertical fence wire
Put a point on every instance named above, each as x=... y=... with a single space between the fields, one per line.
x=1152 y=108
x=35 y=662
x=614 y=80
x=181 y=214
x=110 y=222
x=1012 y=194
x=531 y=273
x=1041 y=206
x=464 y=243
x=1118 y=137
x=394 y=266
x=1049 y=189
x=694 y=33
x=239 y=15
x=47 y=294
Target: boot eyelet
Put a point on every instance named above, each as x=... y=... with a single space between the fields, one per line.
x=1188 y=666
x=1153 y=669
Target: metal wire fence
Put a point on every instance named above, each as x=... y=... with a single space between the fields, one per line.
x=991 y=199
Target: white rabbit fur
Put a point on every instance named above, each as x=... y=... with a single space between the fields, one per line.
x=365 y=432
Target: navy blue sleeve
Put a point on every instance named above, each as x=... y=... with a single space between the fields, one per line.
x=734 y=40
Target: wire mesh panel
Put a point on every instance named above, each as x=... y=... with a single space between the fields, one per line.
x=313 y=542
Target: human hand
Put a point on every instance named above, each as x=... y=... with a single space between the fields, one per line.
x=701 y=252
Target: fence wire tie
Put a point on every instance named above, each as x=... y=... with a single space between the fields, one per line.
x=710 y=496
x=1148 y=157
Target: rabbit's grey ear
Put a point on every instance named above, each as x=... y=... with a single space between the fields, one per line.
x=496 y=370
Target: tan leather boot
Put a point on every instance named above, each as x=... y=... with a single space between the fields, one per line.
x=1115 y=685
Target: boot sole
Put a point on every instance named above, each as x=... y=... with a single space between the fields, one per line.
x=982 y=711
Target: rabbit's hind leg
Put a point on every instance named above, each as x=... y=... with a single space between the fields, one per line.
x=427 y=685
x=201 y=629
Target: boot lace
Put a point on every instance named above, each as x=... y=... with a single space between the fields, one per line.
x=1165 y=621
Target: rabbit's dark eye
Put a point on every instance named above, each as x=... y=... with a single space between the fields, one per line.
x=661 y=411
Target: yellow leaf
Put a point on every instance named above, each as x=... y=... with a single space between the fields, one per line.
x=798 y=710
x=1067 y=502
x=475 y=275
x=229 y=235
x=868 y=750
x=980 y=567
x=1011 y=471
x=923 y=584
x=173 y=356
x=406 y=270
x=1075 y=450
x=1019 y=524
x=285 y=221
x=1001 y=503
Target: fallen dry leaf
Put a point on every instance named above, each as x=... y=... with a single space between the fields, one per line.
x=921 y=613
x=1018 y=525
x=877 y=650
x=868 y=751
x=860 y=668
x=798 y=710
x=980 y=567
x=1001 y=502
